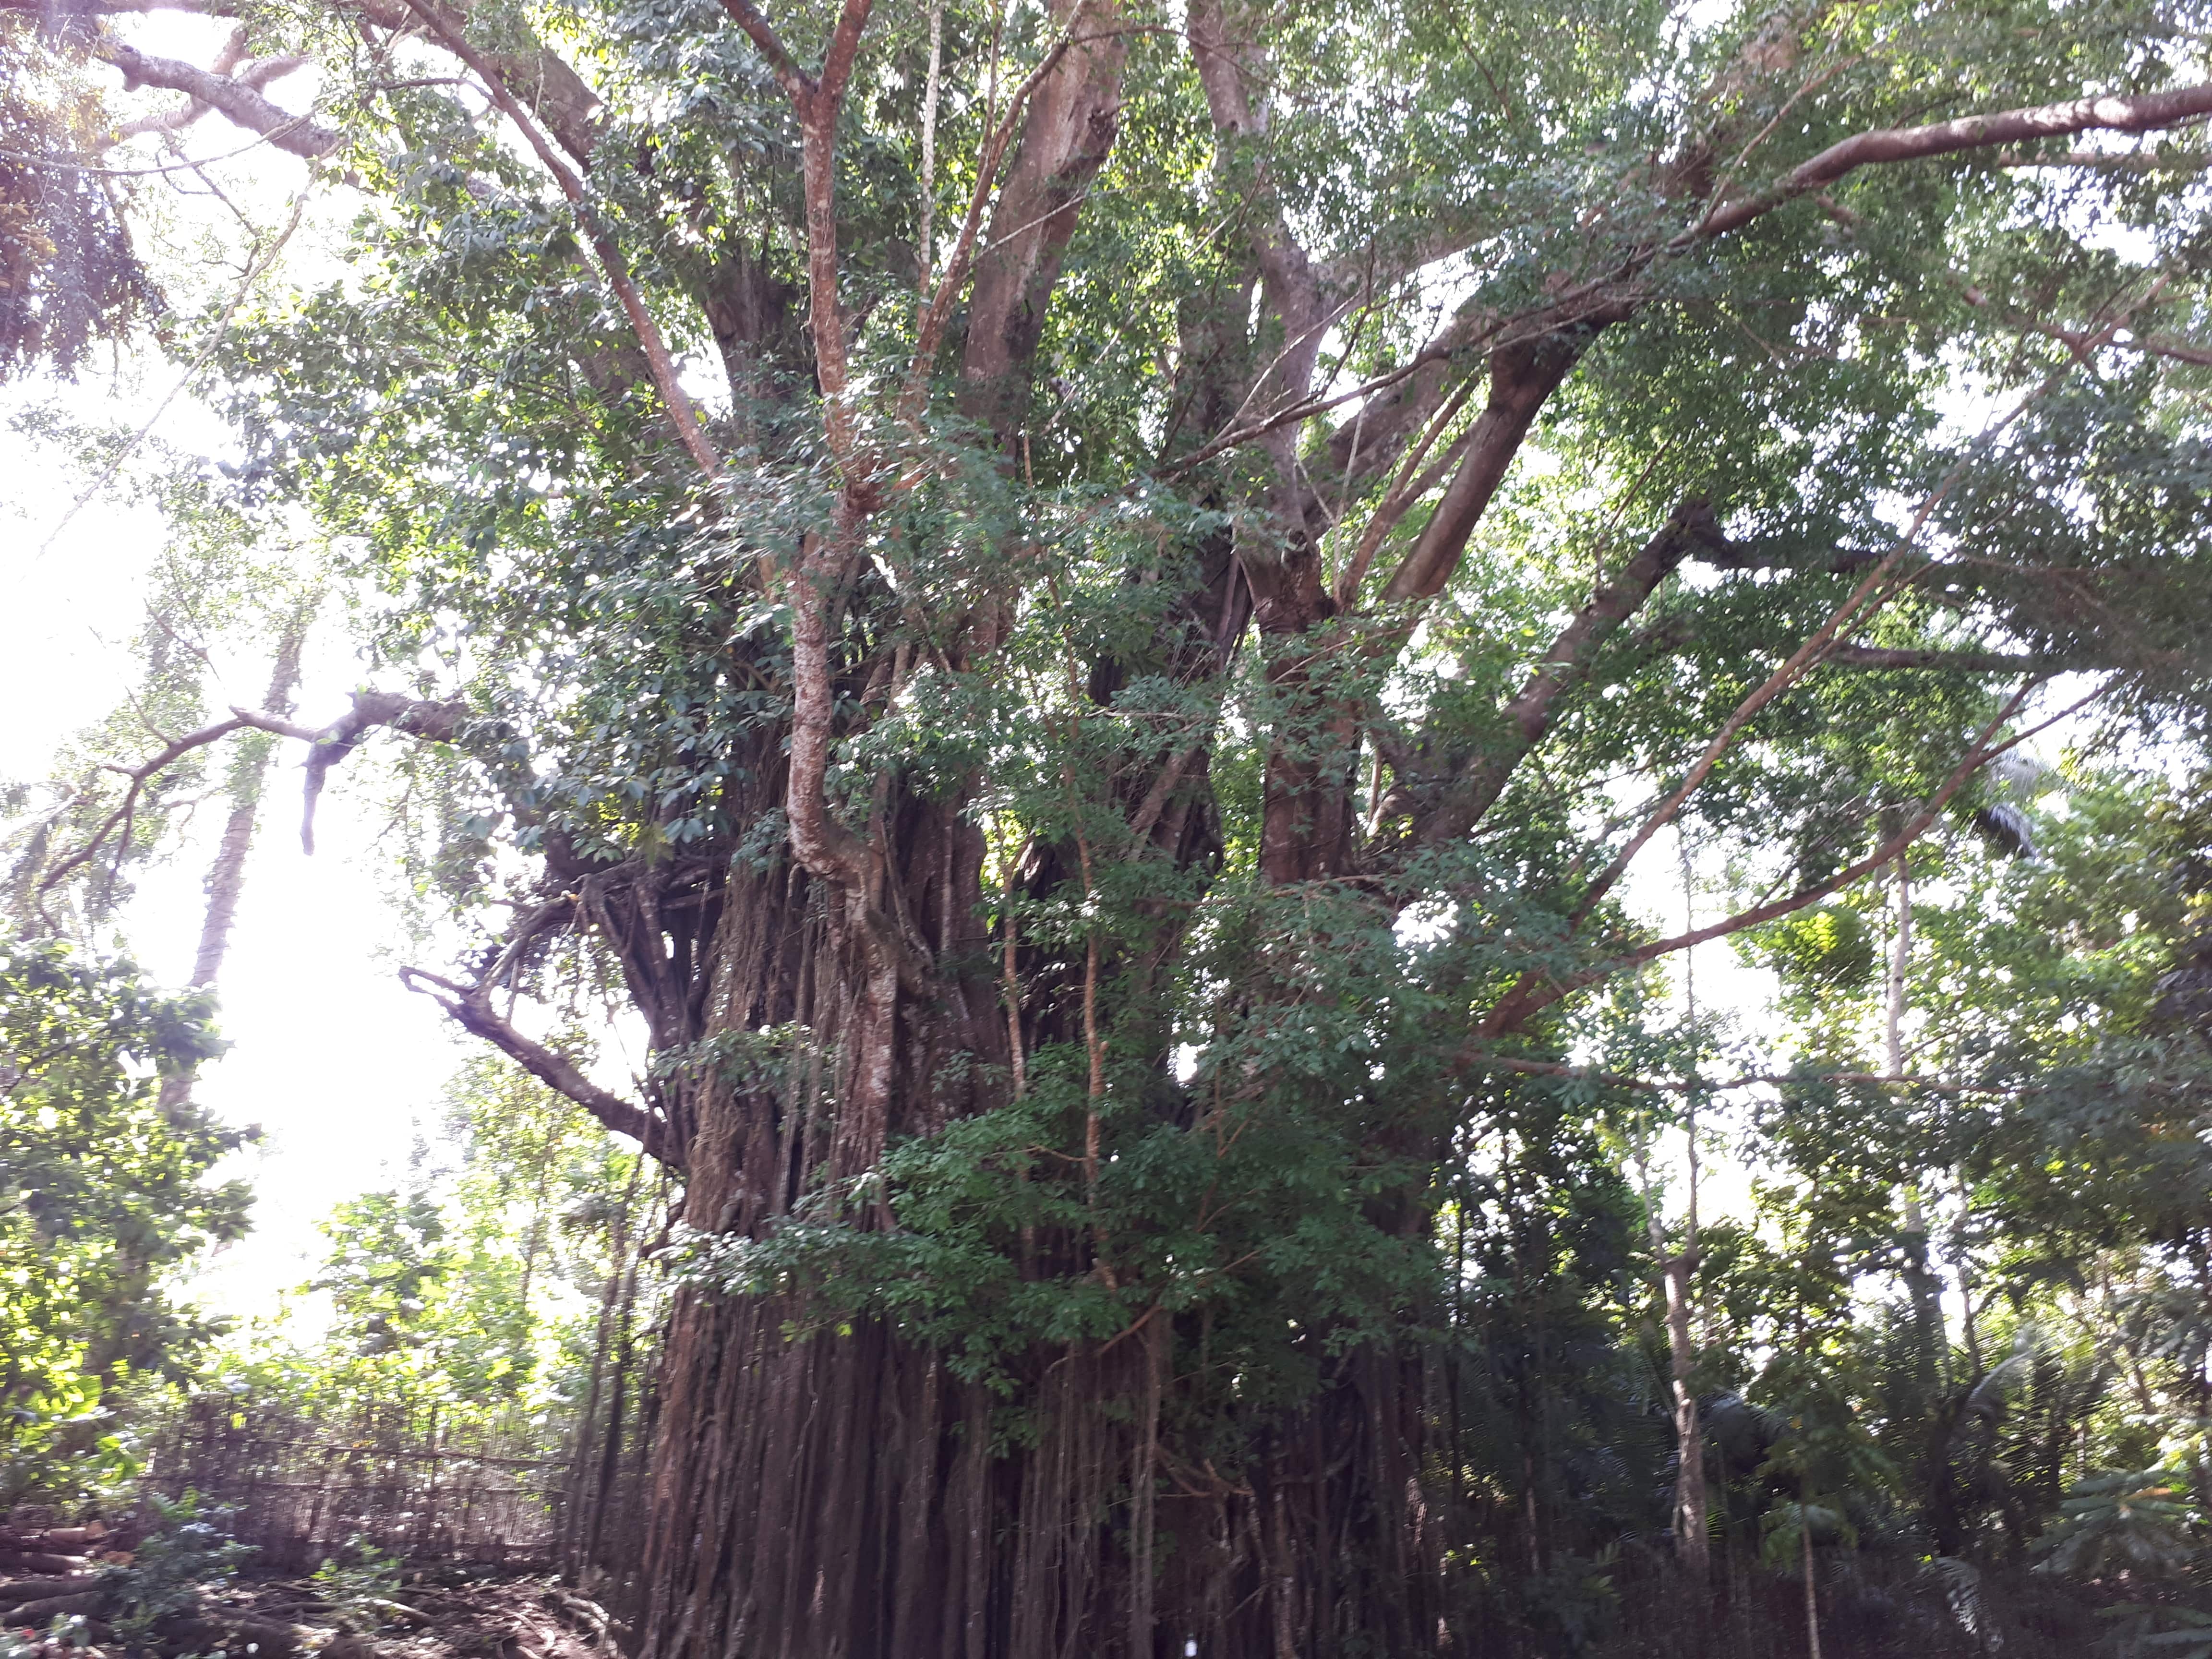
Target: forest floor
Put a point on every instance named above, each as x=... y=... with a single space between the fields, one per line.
x=497 y=1616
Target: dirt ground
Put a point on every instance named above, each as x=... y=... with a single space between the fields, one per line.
x=445 y=1614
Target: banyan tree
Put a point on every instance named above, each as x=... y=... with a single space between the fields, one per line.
x=1086 y=610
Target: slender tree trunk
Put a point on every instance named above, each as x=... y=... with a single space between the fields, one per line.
x=226 y=882
x=226 y=879
x=1901 y=956
x=1812 y=1595
x=1693 y=1548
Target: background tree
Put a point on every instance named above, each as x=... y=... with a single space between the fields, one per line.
x=104 y=1189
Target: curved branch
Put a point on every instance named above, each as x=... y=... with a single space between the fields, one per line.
x=471 y=1010
x=256 y=75
x=439 y=722
x=2145 y=113
x=139 y=777
x=234 y=99
x=681 y=415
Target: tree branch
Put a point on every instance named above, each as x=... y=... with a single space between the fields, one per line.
x=1525 y=382
x=1704 y=1085
x=817 y=102
x=1530 y=995
x=1071 y=122
x=439 y=722
x=1290 y=285
x=255 y=77
x=139 y=777
x=2083 y=342
x=1528 y=716
x=235 y=100
x=1521 y=377
x=791 y=78
x=2143 y=112
x=471 y=1009
x=681 y=415
x=823 y=844
x=1957 y=662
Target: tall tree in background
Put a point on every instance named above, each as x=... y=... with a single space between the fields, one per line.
x=1108 y=742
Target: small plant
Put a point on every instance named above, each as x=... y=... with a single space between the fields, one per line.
x=190 y=1549
x=359 y=1593
x=2141 y=1523
x=2141 y=1631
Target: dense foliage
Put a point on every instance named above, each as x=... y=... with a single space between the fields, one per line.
x=68 y=276
x=104 y=1192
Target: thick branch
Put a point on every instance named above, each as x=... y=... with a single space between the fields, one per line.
x=255 y=77
x=542 y=79
x=1072 y=115
x=1290 y=286
x=681 y=415
x=816 y=101
x=2142 y=113
x=235 y=100
x=439 y=722
x=844 y=49
x=939 y=308
x=555 y=94
x=1528 y=715
x=471 y=1010
x=1521 y=377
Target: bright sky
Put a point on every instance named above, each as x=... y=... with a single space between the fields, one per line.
x=332 y=1058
